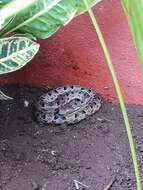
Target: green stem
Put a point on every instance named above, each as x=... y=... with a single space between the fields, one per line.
x=119 y=94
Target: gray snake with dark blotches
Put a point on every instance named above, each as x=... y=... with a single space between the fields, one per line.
x=67 y=104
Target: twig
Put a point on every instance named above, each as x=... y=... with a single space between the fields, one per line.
x=104 y=119
x=110 y=184
x=77 y=183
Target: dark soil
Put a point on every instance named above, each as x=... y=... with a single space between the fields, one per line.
x=94 y=152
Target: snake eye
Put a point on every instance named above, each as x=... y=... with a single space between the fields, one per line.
x=87 y=95
x=65 y=87
x=72 y=87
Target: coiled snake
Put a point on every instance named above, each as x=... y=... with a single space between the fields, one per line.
x=67 y=104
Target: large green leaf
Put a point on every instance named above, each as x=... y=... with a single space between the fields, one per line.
x=134 y=12
x=15 y=52
x=41 y=18
x=4 y=2
x=3 y=22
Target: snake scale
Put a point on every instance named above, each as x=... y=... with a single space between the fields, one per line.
x=67 y=104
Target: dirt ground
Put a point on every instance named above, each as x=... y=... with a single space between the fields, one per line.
x=94 y=152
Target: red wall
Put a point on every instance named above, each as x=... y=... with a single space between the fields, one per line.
x=73 y=56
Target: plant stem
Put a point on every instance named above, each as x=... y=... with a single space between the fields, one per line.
x=119 y=94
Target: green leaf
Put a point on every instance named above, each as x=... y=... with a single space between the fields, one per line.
x=3 y=22
x=40 y=18
x=4 y=2
x=15 y=52
x=4 y=97
x=134 y=13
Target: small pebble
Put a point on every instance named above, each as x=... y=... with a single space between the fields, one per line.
x=53 y=152
x=26 y=103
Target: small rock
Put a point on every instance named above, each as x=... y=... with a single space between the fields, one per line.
x=53 y=152
x=26 y=103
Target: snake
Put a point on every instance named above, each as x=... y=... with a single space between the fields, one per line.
x=67 y=104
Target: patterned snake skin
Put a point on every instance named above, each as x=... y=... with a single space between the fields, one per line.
x=67 y=104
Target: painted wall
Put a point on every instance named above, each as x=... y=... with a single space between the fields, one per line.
x=73 y=56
